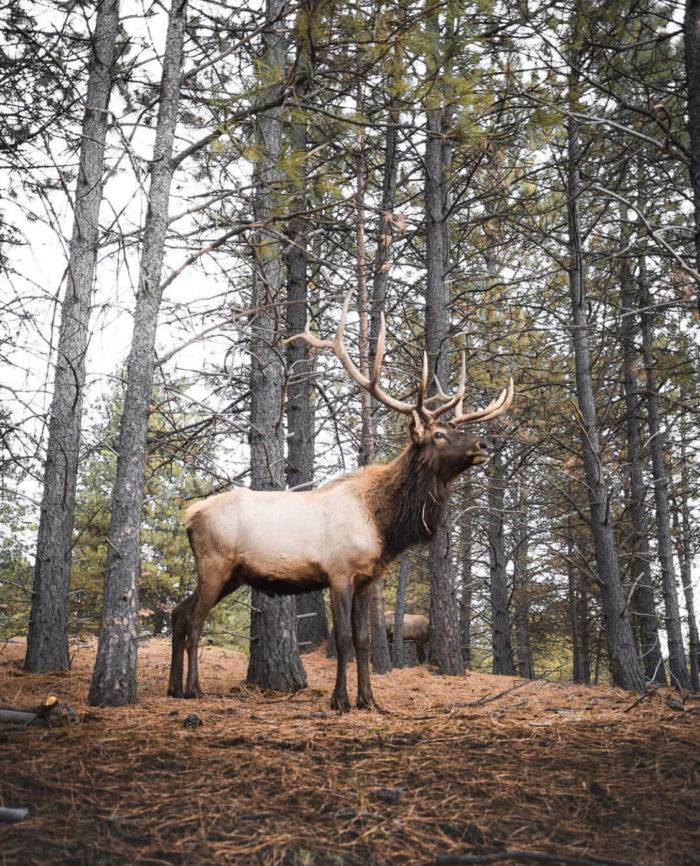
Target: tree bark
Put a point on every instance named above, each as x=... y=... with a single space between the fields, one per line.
x=691 y=39
x=580 y=667
x=674 y=634
x=685 y=556
x=521 y=588
x=398 y=654
x=498 y=579
x=626 y=671
x=643 y=603
x=465 y=604
x=381 y=657
x=274 y=662
x=114 y=676
x=445 y=651
x=312 y=624
x=47 y=637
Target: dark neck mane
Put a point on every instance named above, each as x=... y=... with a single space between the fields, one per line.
x=407 y=501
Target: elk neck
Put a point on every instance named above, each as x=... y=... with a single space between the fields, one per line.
x=407 y=500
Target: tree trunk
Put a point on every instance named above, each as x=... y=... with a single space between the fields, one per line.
x=626 y=671
x=114 y=676
x=579 y=644
x=521 y=588
x=398 y=654
x=274 y=654
x=498 y=579
x=465 y=604
x=47 y=637
x=445 y=649
x=674 y=635
x=643 y=603
x=691 y=38
x=685 y=556
x=312 y=624
x=381 y=657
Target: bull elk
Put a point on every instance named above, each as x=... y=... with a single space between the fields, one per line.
x=415 y=628
x=343 y=535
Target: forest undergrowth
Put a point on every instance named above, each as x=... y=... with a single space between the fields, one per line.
x=449 y=767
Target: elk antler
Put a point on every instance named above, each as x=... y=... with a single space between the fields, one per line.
x=495 y=408
x=337 y=346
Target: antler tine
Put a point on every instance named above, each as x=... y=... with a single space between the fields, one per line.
x=379 y=352
x=422 y=388
x=344 y=315
x=456 y=399
x=337 y=346
x=495 y=408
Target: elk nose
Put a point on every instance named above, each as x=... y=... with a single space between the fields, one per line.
x=482 y=444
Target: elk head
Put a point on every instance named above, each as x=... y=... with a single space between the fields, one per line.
x=442 y=445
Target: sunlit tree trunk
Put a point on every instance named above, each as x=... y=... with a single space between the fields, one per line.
x=521 y=588
x=274 y=654
x=643 y=595
x=466 y=552
x=47 y=637
x=114 y=676
x=398 y=655
x=691 y=39
x=312 y=626
x=445 y=650
x=625 y=667
x=685 y=553
x=498 y=579
x=676 y=651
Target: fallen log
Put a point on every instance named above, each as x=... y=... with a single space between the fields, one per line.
x=10 y=816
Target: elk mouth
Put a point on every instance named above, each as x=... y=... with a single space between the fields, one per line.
x=478 y=457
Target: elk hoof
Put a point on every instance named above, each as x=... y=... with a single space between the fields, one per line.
x=340 y=703
x=194 y=693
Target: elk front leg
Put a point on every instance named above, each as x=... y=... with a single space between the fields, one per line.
x=341 y=608
x=360 y=635
x=179 y=622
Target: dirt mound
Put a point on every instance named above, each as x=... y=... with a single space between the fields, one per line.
x=452 y=766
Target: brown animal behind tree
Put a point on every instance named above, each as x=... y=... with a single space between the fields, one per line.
x=415 y=628
x=343 y=535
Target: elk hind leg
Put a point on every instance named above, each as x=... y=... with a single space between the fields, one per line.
x=360 y=636
x=215 y=582
x=179 y=621
x=341 y=608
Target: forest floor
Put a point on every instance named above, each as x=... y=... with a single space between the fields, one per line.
x=451 y=766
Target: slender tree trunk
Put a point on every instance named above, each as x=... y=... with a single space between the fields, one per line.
x=674 y=635
x=691 y=38
x=643 y=595
x=685 y=556
x=445 y=650
x=465 y=604
x=381 y=657
x=521 y=591
x=498 y=579
x=312 y=624
x=578 y=614
x=398 y=655
x=114 y=676
x=47 y=637
x=274 y=654
x=626 y=671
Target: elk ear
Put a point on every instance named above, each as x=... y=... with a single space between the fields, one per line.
x=417 y=428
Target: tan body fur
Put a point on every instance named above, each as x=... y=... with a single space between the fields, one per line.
x=415 y=628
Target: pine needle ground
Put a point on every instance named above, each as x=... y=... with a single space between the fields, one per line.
x=452 y=766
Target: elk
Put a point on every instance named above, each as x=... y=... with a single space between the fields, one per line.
x=343 y=535
x=415 y=628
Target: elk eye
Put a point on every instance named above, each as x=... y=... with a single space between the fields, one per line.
x=438 y=435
